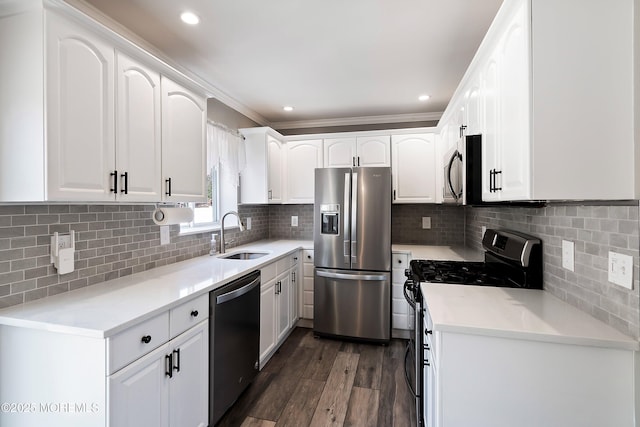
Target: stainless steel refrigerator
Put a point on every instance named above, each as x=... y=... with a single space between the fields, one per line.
x=352 y=252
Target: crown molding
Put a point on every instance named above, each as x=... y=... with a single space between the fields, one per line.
x=363 y=120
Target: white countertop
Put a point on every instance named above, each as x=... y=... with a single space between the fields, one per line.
x=517 y=313
x=447 y=253
x=105 y=309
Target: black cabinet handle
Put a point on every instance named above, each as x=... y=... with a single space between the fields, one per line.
x=358 y=160
x=146 y=339
x=462 y=129
x=353 y=161
x=495 y=176
x=399 y=261
x=176 y=352
x=428 y=331
x=168 y=183
x=309 y=256
x=125 y=179
x=114 y=189
x=168 y=364
x=394 y=194
x=194 y=313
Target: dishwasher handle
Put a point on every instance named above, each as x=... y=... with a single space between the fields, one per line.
x=220 y=299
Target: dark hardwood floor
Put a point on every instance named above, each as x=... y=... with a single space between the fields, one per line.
x=324 y=382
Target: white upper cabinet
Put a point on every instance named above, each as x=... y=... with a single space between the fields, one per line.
x=80 y=113
x=138 y=133
x=275 y=164
x=87 y=119
x=261 y=181
x=413 y=170
x=373 y=151
x=339 y=152
x=184 y=118
x=302 y=158
x=544 y=75
x=357 y=151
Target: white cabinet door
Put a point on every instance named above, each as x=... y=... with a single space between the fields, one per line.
x=80 y=110
x=138 y=133
x=294 y=294
x=414 y=168
x=138 y=394
x=184 y=116
x=301 y=160
x=515 y=171
x=339 y=152
x=473 y=110
x=275 y=166
x=400 y=310
x=267 y=320
x=189 y=391
x=490 y=144
x=283 y=306
x=373 y=151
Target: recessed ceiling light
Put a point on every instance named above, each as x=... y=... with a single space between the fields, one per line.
x=287 y=108
x=190 y=18
x=423 y=98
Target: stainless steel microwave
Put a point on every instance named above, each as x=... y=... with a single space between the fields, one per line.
x=463 y=172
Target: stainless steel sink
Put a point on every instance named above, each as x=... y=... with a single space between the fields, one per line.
x=244 y=255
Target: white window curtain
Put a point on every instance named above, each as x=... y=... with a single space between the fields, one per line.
x=226 y=152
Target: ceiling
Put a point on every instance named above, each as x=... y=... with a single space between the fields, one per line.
x=335 y=61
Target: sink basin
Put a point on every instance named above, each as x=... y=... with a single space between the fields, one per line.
x=244 y=255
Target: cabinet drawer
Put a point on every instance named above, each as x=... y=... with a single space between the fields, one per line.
x=307 y=270
x=399 y=260
x=307 y=255
x=283 y=264
x=188 y=314
x=295 y=258
x=129 y=345
x=268 y=272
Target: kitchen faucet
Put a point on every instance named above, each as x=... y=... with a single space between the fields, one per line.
x=222 y=228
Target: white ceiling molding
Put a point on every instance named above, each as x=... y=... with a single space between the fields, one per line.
x=364 y=120
x=211 y=90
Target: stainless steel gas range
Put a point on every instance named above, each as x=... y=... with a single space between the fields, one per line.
x=511 y=259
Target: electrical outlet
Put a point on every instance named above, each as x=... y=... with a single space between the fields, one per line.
x=248 y=221
x=164 y=235
x=568 y=255
x=294 y=221
x=621 y=269
x=426 y=222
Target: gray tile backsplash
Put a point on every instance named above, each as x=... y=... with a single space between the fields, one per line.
x=447 y=225
x=595 y=230
x=119 y=240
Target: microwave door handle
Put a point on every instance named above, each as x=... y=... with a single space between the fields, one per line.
x=354 y=218
x=345 y=216
x=461 y=187
x=449 y=183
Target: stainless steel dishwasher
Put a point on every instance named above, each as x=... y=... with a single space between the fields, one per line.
x=234 y=342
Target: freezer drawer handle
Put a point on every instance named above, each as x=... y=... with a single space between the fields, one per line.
x=237 y=292
x=330 y=275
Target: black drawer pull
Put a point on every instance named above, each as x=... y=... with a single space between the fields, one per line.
x=428 y=331
x=146 y=339
x=194 y=313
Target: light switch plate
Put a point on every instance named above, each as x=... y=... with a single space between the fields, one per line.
x=164 y=235
x=248 y=221
x=621 y=269
x=294 y=221
x=426 y=222
x=568 y=255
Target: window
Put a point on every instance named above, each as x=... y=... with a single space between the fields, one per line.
x=225 y=158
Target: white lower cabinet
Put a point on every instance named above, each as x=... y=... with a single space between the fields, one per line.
x=401 y=314
x=278 y=303
x=167 y=387
x=144 y=375
x=499 y=381
x=307 y=284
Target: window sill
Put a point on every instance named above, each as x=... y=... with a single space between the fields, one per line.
x=207 y=229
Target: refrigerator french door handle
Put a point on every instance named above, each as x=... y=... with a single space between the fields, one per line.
x=347 y=276
x=354 y=219
x=345 y=215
